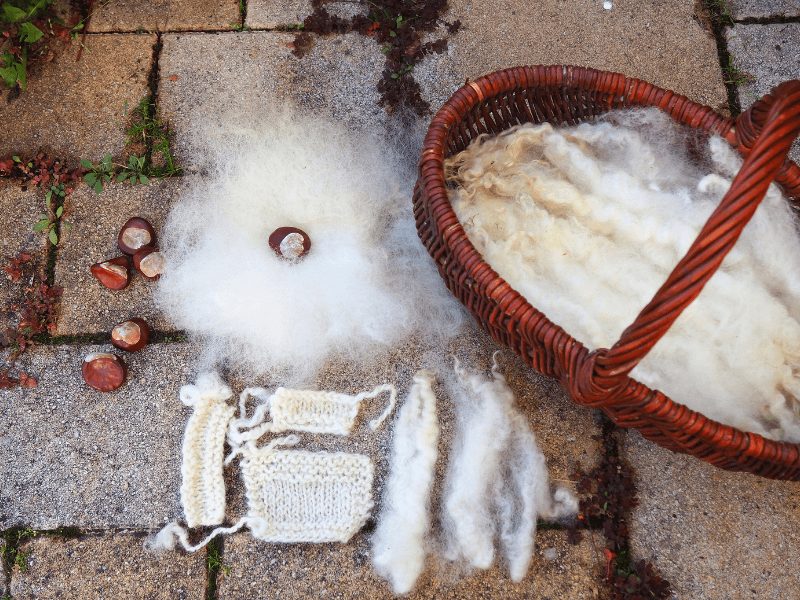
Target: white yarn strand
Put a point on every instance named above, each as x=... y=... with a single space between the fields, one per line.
x=398 y=546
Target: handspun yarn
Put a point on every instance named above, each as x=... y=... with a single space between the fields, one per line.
x=587 y=222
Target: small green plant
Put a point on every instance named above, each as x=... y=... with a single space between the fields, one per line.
x=735 y=76
x=10 y=554
x=48 y=221
x=98 y=174
x=214 y=561
x=721 y=10
x=20 y=34
x=148 y=129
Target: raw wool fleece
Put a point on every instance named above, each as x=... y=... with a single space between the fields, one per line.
x=366 y=283
x=398 y=547
x=587 y=223
x=497 y=483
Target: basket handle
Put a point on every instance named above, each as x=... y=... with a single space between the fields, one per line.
x=768 y=129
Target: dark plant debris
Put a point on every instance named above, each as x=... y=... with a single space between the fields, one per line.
x=398 y=26
x=608 y=495
x=35 y=313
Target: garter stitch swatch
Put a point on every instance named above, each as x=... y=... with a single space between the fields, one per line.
x=319 y=411
x=301 y=496
x=301 y=410
x=202 y=486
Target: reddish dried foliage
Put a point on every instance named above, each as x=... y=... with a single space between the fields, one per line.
x=36 y=312
x=41 y=171
x=608 y=495
x=398 y=26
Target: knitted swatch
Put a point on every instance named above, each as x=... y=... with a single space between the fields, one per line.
x=202 y=488
x=302 y=410
x=301 y=496
x=294 y=496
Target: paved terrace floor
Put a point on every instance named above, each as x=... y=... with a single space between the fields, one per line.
x=86 y=476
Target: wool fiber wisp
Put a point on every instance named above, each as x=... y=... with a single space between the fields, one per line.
x=399 y=543
x=497 y=481
x=366 y=283
x=587 y=222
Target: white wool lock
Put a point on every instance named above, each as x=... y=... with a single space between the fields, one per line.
x=398 y=546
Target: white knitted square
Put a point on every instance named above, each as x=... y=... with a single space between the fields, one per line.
x=301 y=496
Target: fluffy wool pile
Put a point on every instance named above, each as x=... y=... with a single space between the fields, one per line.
x=587 y=222
x=365 y=285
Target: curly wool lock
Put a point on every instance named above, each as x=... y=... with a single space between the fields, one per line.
x=365 y=285
x=587 y=223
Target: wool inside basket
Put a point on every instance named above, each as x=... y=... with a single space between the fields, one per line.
x=566 y=95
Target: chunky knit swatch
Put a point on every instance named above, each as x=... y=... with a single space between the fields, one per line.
x=202 y=488
x=301 y=496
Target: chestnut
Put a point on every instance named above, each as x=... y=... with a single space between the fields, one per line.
x=149 y=262
x=114 y=274
x=290 y=243
x=131 y=335
x=104 y=372
x=135 y=234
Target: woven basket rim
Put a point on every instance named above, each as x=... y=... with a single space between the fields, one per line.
x=756 y=450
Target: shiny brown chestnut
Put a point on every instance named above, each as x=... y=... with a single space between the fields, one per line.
x=135 y=234
x=290 y=243
x=149 y=262
x=115 y=274
x=131 y=335
x=103 y=371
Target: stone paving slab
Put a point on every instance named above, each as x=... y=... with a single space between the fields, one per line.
x=713 y=533
x=661 y=42
x=78 y=458
x=767 y=55
x=20 y=210
x=95 y=220
x=258 y=570
x=269 y=14
x=337 y=77
x=111 y=567
x=165 y=15
x=761 y=9
x=565 y=434
x=79 y=109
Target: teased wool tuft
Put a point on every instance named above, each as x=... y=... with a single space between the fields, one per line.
x=366 y=283
x=399 y=543
x=587 y=222
x=497 y=485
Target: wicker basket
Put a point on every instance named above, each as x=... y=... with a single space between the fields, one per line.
x=566 y=95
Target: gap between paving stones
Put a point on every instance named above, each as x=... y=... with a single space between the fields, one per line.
x=711 y=16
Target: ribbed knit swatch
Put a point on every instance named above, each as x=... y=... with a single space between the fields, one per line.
x=202 y=487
